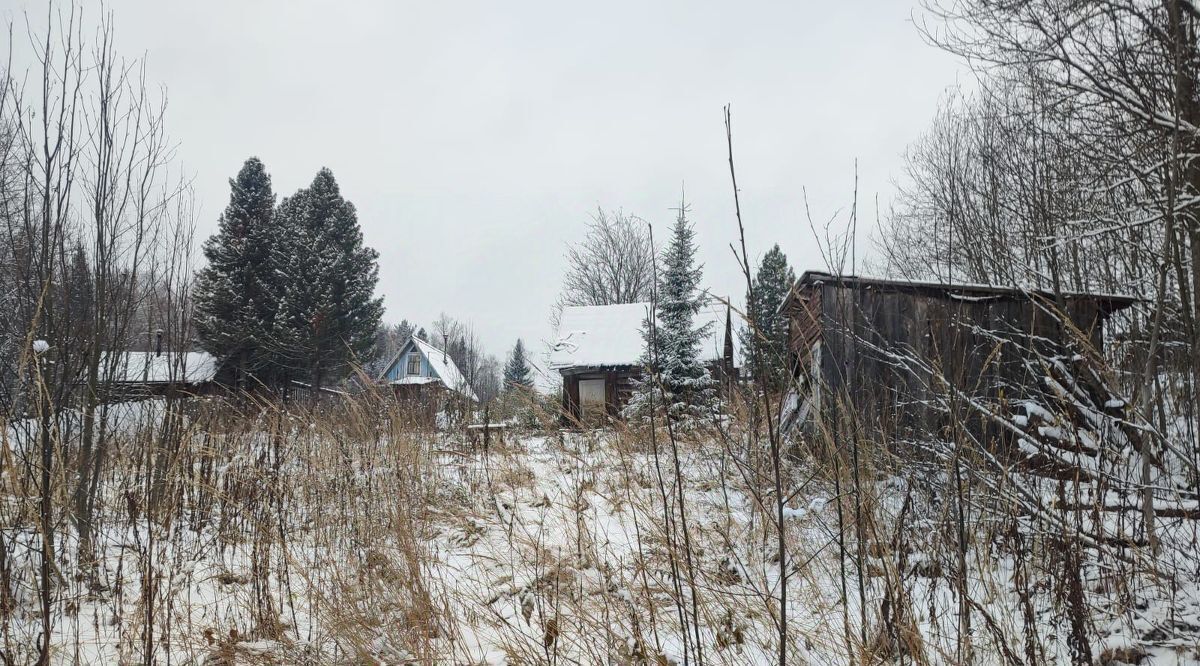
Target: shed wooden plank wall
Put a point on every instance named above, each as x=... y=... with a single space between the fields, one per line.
x=859 y=326
x=571 y=398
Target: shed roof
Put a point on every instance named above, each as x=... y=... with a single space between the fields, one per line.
x=1109 y=303
x=168 y=367
x=611 y=335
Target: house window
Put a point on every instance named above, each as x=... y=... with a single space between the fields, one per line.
x=414 y=364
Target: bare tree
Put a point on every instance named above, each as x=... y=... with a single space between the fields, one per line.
x=613 y=264
x=128 y=206
x=38 y=228
x=1114 y=89
x=89 y=234
x=461 y=343
x=1073 y=167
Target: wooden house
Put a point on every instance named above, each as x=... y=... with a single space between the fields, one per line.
x=599 y=353
x=855 y=341
x=420 y=371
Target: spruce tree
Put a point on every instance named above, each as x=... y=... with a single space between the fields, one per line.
x=327 y=309
x=678 y=380
x=389 y=338
x=516 y=370
x=766 y=331
x=235 y=309
x=80 y=296
x=402 y=332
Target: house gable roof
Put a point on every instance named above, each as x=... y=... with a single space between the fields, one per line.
x=440 y=363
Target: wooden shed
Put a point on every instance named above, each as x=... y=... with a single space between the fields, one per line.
x=856 y=340
x=134 y=375
x=599 y=354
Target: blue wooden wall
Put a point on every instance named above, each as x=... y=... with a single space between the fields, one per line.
x=399 y=369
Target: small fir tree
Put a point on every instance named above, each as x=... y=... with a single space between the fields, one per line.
x=678 y=379
x=766 y=331
x=516 y=371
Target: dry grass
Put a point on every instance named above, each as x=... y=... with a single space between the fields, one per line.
x=345 y=533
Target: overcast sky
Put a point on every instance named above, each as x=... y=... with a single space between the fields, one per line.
x=476 y=138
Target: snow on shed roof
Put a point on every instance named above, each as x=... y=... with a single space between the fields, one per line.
x=167 y=367
x=611 y=335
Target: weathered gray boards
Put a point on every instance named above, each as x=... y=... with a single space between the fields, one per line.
x=879 y=347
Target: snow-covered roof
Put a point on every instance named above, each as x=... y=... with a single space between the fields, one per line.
x=611 y=335
x=445 y=368
x=151 y=368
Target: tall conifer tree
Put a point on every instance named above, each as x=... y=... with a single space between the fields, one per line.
x=234 y=307
x=327 y=309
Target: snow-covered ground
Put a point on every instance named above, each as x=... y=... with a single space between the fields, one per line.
x=560 y=548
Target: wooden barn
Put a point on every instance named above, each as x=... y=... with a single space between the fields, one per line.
x=856 y=341
x=599 y=355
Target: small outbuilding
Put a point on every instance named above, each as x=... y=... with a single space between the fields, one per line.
x=599 y=354
x=142 y=374
x=855 y=340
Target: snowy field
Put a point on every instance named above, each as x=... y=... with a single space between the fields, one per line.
x=300 y=542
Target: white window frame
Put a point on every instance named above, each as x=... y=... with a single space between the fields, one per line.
x=413 y=356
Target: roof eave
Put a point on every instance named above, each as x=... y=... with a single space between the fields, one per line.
x=577 y=368
x=1114 y=302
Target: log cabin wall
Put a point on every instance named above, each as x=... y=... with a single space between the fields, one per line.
x=804 y=330
x=619 y=388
